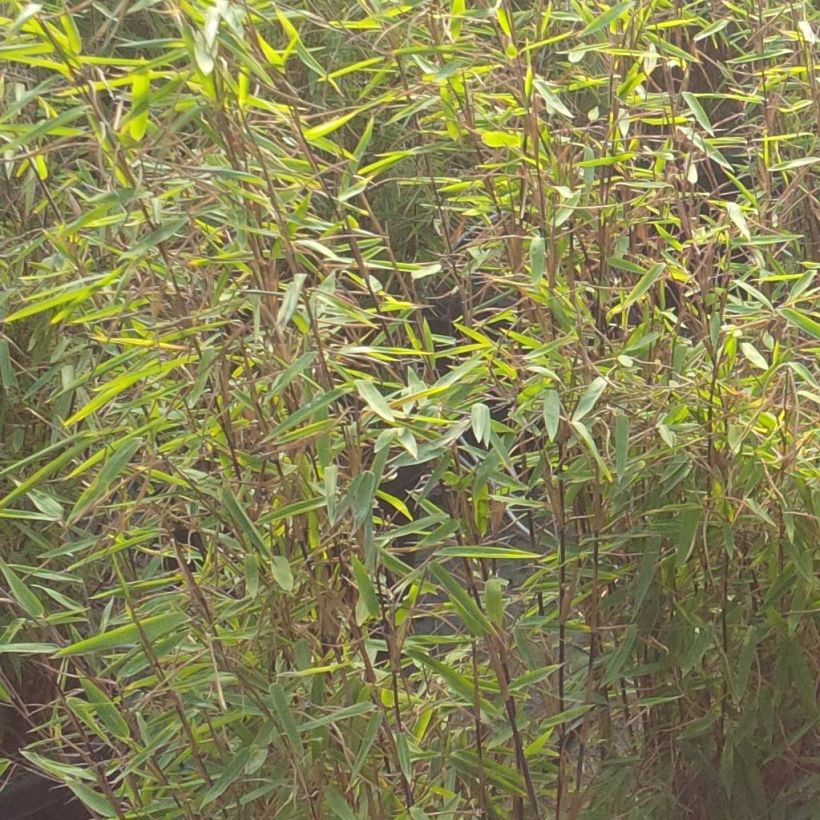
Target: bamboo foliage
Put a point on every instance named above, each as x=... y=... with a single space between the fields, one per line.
x=409 y=409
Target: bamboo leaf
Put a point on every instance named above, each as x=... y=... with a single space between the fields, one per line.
x=739 y=218
x=102 y=483
x=589 y=398
x=803 y=321
x=607 y=18
x=27 y=600
x=466 y=607
x=282 y=573
x=700 y=115
x=152 y=627
x=242 y=520
x=367 y=591
x=481 y=422
x=375 y=401
x=552 y=413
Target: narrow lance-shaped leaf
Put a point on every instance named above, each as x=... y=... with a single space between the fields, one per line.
x=687 y=528
x=240 y=517
x=621 y=443
x=282 y=573
x=375 y=401
x=803 y=321
x=473 y=617
x=27 y=600
x=607 y=18
x=481 y=422
x=537 y=259
x=367 y=590
x=583 y=433
x=103 y=481
x=739 y=218
x=552 y=413
x=281 y=706
x=127 y=635
x=697 y=109
x=588 y=399
x=620 y=656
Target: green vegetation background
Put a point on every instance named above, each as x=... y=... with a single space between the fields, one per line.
x=410 y=409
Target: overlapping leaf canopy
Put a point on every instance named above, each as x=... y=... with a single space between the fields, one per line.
x=410 y=408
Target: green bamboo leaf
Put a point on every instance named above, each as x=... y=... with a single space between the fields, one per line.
x=506 y=779
x=152 y=627
x=317 y=131
x=588 y=399
x=27 y=515
x=607 y=18
x=494 y=600
x=745 y=659
x=387 y=161
x=291 y=299
x=646 y=572
x=620 y=656
x=51 y=125
x=336 y=716
x=251 y=574
x=204 y=54
x=163 y=233
x=457 y=8
x=282 y=573
x=46 y=503
x=464 y=604
x=481 y=422
x=408 y=441
x=643 y=285
x=27 y=12
x=364 y=490
x=583 y=433
x=64 y=772
x=58 y=300
x=460 y=685
x=120 y=384
x=140 y=98
x=27 y=600
x=367 y=591
x=338 y=804
x=230 y=774
x=105 y=479
x=688 y=522
x=552 y=413
x=501 y=139
x=375 y=401
x=754 y=505
x=552 y=101
x=482 y=552
x=403 y=754
x=739 y=218
x=281 y=705
x=802 y=321
x=711 y=30
x=537 y=259
x=105 y=708
x=700 y=115
x=791 y=164
x=754 y=355
x=524 y=682
x=621 y=444
x=242 y=520
x=27 y=648
x=368 y=739
x=94 y=800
